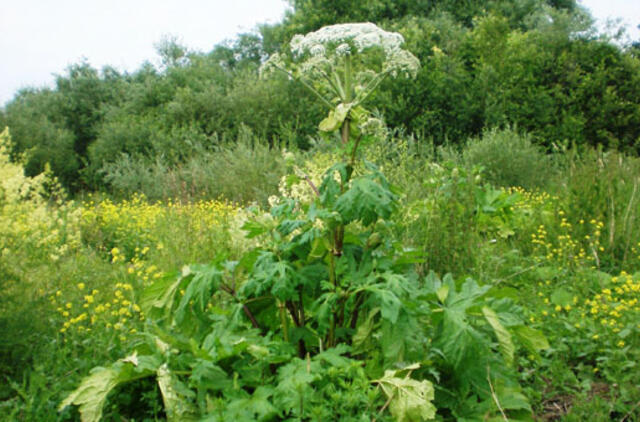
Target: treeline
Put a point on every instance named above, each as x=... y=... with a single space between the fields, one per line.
x=537 y=65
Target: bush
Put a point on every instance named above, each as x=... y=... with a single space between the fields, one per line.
x=509 y=159
x=246 y=171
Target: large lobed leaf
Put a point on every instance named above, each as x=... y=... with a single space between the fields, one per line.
x=367 y=199
x=175 y=396
x=92 y=393
x=410 y=400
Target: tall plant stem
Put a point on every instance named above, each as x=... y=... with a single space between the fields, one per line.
x=371 y=86
x=231 y=291
x=333 y=281
x=352 y=161
x=301 y=307
x=344 y=132
x=356 y=310
x=347 y=79
x=283 y=322
x=249 y=315
x=302 y=348
x=293 y=311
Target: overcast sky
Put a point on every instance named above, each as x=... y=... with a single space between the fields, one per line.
x=39 y=38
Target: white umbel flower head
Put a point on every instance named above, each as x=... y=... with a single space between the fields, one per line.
x=317 y=50
x=274 y=62
x=335 y=64
x=335 y=41
x=402 y=62
x=343 y=49
x=361 y=35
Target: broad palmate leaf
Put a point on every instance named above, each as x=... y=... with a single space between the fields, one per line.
x=410 y=400
x=92 y=393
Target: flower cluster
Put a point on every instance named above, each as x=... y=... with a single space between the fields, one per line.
x=126 y=225
x=83 y=311
x=28 y=222
x=135 y=235
x=133 y=224
x=345 y=39
x=528 y=200
x=610 y=317
x=319 y=53
x=565 y=248
x=361 y=35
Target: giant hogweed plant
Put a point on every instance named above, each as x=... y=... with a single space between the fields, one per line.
x=325 y=319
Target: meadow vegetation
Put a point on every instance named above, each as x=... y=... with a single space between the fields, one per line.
x=191 y=245
x=562 y=280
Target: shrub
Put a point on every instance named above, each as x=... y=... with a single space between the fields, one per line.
x=509 y=159
x=245 y=171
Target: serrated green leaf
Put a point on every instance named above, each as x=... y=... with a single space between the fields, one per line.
x=366 y=200
x=364 y=330
x=257 y=407
x=330 y=188
x=287 y=226
x=507 y=349
x=294 y=383
x=92 y=392
x=319 y=247
x=175 y=397
x=209 y=376
x=411 y=400
x=159 y=295
x=533 y=340
x=511 y=398
x=389 y=303
x=204 y=280
x=254 y=228
x=457 y=338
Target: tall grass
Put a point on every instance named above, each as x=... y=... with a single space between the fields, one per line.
x=605 y=186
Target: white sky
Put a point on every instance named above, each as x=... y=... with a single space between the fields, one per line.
x=39 y=38
x=627 y=11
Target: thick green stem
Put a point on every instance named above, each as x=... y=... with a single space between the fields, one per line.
x=356 y=310
x=344 y=131
x=302 y=348
x=332 y=83
x=283 y=322
x=341 y=91
x=352 y=162
x=231 y=291
x=301 y=307
x=333 y=281
x=347 y=79
x=293 y=311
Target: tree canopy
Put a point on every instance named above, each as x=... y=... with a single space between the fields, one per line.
x=535 y=64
